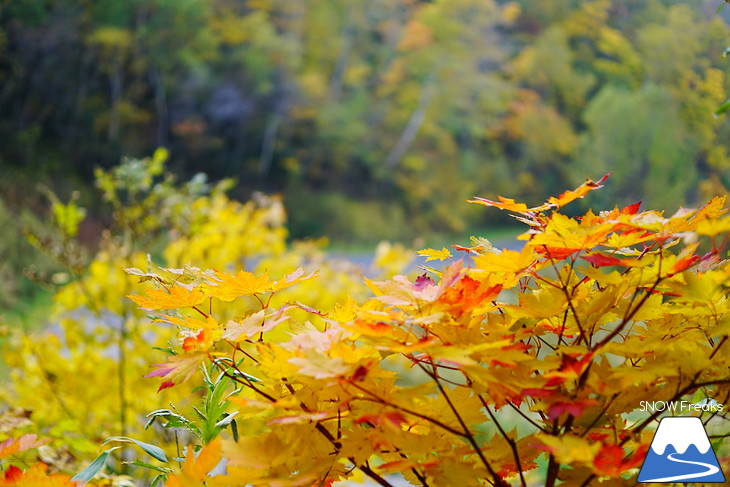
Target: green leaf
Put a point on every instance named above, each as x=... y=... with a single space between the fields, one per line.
x=154 y=451
x=158 y=479
x=142 y=464
x=173 y=419
x=94 y=467
x=725 y=52
x=226 y=421
x=216 y=395
x=200 y=415
x=723 y=108
x=167 y=350
x=244 y=374
x=234 y=430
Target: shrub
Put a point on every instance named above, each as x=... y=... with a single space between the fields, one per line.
x=81 y=378
x=507 y=367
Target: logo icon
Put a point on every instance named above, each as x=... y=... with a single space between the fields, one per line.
x=681 y=452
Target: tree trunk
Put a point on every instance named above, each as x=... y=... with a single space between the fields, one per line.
x=269 y=145
x=413 y=125
x=115 y=83
x=160 y=107
x=338 y=74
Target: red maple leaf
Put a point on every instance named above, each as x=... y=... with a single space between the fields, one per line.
x=684 y=263
x=631 y=209
x=573 y=408
x=600 y=260
x=556 y=253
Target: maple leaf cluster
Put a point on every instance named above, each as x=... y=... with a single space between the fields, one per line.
x=505 y=367
x=35 y=476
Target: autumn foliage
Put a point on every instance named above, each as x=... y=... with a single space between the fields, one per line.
x=267 y=363
x=518 y=366
x=79 y=381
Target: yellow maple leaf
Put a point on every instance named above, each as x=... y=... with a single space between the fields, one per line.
x=714 y=227
x=176 y=297
x=319 y=365
x=209 y=323
x=179 y=369
x=687 y=220
x=570 y=448
x=230 y=287
x=253 y=325
x=433 y=254
x=564 y=234
x=711 y=210
x=293 y=278
x=507 y=261
x=342 y=313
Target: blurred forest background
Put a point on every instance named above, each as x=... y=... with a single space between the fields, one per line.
x=374 y=119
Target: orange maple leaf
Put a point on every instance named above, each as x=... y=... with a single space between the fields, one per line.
x=686 y=259
x=577 y=193
x=570 y=369
x=552 y=202
x=469 y=293
x=511 y=468
x=200 y=341
x=35 y=476
x=12 y=446
x=612 y=460
x=195 y=469
x=506 y=204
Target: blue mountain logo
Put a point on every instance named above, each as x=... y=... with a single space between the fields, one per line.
x=681 y=452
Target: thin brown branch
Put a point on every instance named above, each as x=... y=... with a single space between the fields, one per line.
x=600 y=415
x=527 y=418
x=625 y=321
x=424 y=417
x=568 y=295
x=200 y=311
x=498 y=481
x=510 y=441
x=318 y=426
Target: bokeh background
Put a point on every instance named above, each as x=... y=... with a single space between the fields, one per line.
x=373 y=119
x=337 y=135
